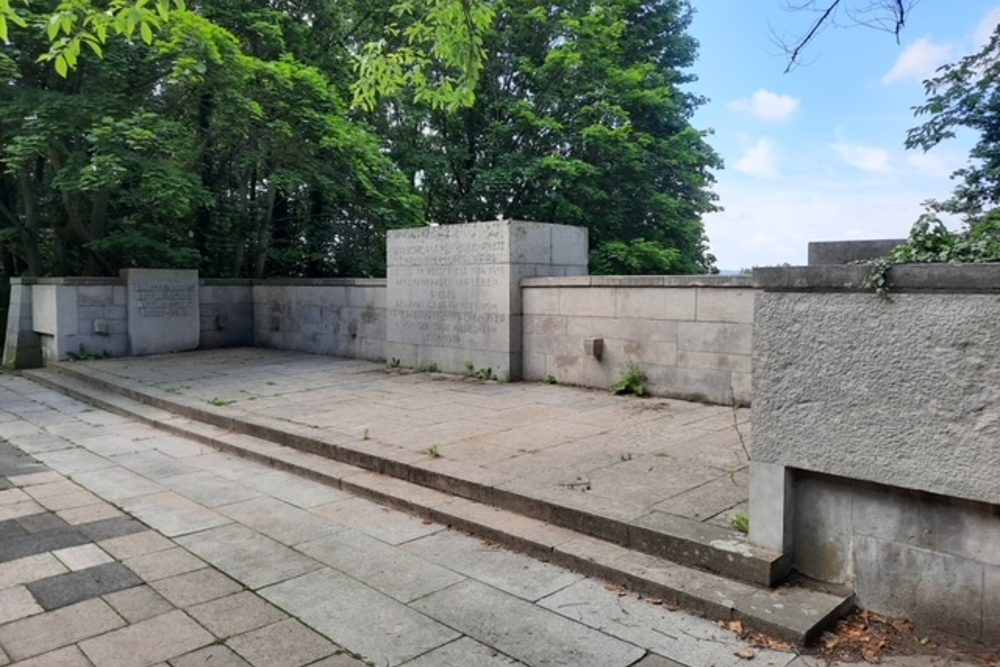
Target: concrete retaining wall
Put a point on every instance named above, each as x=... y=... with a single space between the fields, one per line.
x=876 y=423
x=692 y=336
x=345 y=318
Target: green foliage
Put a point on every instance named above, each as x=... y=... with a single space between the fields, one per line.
x=930 y=241
x=637 y=257
x=484 y=374
x=632 y=382
x=741 y=522
x=434 y=451
x=549 y=379
x=220 y=402
x=85 y=355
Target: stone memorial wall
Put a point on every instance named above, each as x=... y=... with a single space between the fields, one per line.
x=454 y=291
x=163 y=310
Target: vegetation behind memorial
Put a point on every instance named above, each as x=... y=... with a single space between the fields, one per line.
x=227 y=144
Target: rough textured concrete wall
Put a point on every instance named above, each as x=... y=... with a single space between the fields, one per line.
x=340 y=317
x=691 y=336
x=922 y=556
x=845 y=252
x=226 y=313
x=904 y=392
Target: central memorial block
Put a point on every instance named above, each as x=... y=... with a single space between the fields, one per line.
x=163 y=312
x=454 y=295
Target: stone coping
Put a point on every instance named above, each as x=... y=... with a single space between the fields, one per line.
x=214 y=282
x=959 y=278
x=641 y=281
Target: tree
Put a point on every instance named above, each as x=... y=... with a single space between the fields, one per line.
x=579 y=118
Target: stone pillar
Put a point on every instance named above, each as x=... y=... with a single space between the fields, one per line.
x=771 y=506
x=454 y=291
x=163 y=310
x=22 y=346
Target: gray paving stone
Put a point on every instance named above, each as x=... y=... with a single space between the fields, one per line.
x=511 y=572
x=154 y=640
x=464 y=652
x=676 y=635
x=523 y=630
x=17 y=510
x=359 y=618
x=247 y=556
x=45 y=521
x=106 y=529
x=17 y=603
x=34 y=478
x=30 y=568
x=383 y=523
x=153 y=464
x=193 y=588
x=653 y=660
x=11 y=529
x=209 y=490
x=293 y=489
x=11 y=496
x=286 y=643
x=138 y=603
x=56 y=487
x=74 y=461
x=342 y=659
x=210 y=656
x=172 y=514
x=166 y=563
x=37 y=543
x=136 y=544
x=116 y=484
x=71 y=500
x=280 y=521
x=46 y=632
x=385 y=568
x=66 y=589
x=89 y=513
x=235 y=614
x=70 y=656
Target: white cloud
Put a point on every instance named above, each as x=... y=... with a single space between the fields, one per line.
x=866 y=158
x=765 y=105
x=919 y=61
x=761 y=160
x=937 y=164
x=986 y=27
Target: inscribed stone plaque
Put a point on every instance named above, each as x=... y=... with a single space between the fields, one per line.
x=163 y=313
x=454 y=293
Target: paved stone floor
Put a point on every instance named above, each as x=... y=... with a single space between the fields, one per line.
x=122 y=546
x=619 y=457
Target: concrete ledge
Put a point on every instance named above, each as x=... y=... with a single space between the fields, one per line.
x=66 y=281
x=641 y=281
x=845 y=252
x=791 y=614
x=679 y=539
x=958 y=278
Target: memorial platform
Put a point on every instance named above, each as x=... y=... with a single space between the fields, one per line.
x=637 y=491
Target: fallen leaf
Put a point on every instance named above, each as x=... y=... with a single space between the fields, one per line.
x=736 y=626
x=746 y=653
x=671 y=607
x=870 y=656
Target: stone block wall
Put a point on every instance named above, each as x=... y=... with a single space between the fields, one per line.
x=342 y=317
x=78 y=315
x=876 y=422
x=226 y=313
x=692 y=336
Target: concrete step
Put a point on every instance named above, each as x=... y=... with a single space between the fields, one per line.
x=652 y=556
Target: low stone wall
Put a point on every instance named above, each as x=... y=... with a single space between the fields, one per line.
x=345 y=317
x=876 y=423
x=690 y=335
x=226 y=313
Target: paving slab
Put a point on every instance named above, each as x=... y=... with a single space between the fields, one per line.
x=66 y=589
x=196 y=587
x=247 y=556
x=30 y=568
x=147 y=642
x=287 y=643
x=524 y=631
x=166 y=563
x=381 y=522
x=105 y=529
x=684 y=638
x=235 y=614
x=490 y=564
x=17 y=602
x=172 y=514
x=208 y=489
x=88 y=513
x=117 y=484
x=46 y=632
x=210 y=656
x=292 y=489
x=279 y=520
x=70 y=656
x=135 y=544
x=83 y=556
x=395 y=572
x=464 y=652
x=138 y=603
x=347 y=612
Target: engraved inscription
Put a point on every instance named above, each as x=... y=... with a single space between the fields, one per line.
x=165 y=300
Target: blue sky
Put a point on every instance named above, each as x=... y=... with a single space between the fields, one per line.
x=817 y=154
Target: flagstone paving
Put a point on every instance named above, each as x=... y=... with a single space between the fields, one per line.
x=122 y=546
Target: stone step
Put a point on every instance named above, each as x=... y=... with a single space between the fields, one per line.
x=674 y=538
x=790 y=613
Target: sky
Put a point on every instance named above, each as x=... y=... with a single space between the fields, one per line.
x=818 y=154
